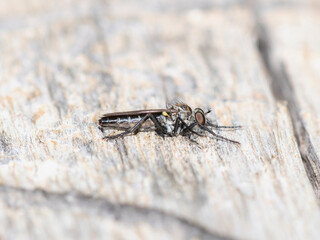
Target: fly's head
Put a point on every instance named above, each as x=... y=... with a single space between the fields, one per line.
x=200 y=116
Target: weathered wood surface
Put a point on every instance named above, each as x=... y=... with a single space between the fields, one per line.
x=290 y=46
x=65 y=64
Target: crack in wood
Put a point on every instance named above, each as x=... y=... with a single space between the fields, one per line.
x=130 y=214
x=57 y=96
x=283 y=90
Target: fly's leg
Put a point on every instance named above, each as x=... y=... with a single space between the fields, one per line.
x=218 y=136
x=214 y=134
x=138 y=125
x=231 y=128
x=176 y=127
x=160 y=129
x=131 y=130
x=186 y=131
x=187 y=127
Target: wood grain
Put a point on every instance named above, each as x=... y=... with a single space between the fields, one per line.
x=66 y=64
x=291 y=40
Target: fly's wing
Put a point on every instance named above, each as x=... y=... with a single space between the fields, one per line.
x=133 y=113
x=176 y=101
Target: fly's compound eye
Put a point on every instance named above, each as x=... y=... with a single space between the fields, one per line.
x=199 y=116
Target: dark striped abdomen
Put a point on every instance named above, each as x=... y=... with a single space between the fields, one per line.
x=124 y=122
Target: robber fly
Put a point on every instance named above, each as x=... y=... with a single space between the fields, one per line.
x=177 y=119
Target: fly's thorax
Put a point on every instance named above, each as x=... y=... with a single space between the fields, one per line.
x=185 y=116
x=165 y=120
x=181 y=110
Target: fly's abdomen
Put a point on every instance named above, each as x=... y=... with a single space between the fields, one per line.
x=127 y=120
x=119 y=121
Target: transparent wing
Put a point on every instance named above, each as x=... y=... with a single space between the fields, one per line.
x=174 y=101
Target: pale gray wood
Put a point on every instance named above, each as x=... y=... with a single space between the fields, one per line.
x=64 y=65
x=292 y=53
